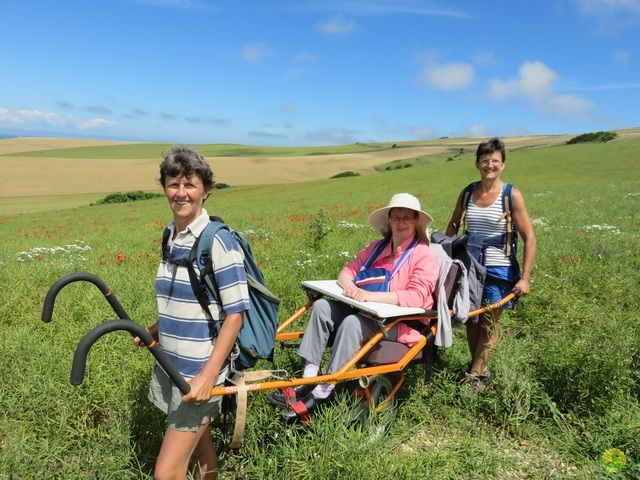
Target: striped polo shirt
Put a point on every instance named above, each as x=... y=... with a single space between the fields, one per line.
x=486 y=222
x=186 y=332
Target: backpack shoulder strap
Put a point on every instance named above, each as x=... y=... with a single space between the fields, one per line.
x=464 y=201
x=201 y=254
x=165 y=239
x=507 y=208
x=201 y=251
x=375 y=253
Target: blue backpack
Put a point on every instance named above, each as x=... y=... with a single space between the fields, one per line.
x=256 y=339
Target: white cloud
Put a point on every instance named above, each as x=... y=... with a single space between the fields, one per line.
x=535 y=84
x=33 y=117
x=382 y=7
x=96 y=123
x=450 y=76
x=254 y=52
x=9 y=117
x=337 y=25
x=611 y=15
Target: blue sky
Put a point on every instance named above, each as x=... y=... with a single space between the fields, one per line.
x=317 y=72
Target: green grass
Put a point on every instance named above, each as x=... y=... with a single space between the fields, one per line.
x=44 y=203
x=566 y=375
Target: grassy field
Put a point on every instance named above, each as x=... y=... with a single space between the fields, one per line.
x=565 y=378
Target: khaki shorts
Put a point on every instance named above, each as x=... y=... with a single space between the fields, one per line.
x=186 y=417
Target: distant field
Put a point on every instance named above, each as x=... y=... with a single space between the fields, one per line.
x=61 y=173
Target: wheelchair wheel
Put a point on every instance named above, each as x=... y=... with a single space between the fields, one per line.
x=375 y=408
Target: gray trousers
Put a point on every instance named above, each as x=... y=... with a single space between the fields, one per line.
x=349 y=329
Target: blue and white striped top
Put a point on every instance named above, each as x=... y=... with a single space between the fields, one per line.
x=186 y=332
x=486 y=222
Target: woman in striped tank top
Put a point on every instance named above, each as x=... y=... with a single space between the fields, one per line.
x=484 y=215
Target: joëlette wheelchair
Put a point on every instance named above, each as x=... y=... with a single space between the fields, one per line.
x=372 y=377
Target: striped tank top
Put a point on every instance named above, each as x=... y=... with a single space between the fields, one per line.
x=486 y=222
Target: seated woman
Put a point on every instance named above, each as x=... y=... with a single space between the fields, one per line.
x=412 y=273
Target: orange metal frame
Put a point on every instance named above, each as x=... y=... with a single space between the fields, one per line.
x=348 y=372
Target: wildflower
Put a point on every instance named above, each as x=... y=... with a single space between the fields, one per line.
x=609 y=228
x=346 y=224
x=540 y=222
x=121 y=256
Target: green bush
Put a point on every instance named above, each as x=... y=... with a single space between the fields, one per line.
x=598 y=137
x=346 y=174
x=120 y=197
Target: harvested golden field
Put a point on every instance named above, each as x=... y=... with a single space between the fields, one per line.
x=38 y=183
x=56 y=176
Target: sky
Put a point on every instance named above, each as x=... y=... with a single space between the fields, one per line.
x=317 y=72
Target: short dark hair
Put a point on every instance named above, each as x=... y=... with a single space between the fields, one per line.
x=186 y=161
x=491 y=146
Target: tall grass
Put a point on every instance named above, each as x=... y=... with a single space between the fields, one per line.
x=566 y=375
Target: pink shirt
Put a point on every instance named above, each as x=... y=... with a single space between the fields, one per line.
x=414 y=283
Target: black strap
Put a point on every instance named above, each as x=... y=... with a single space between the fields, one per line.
x=196 y=286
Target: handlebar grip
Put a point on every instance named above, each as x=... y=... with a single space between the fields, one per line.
x=136 y=330
x=47 y=309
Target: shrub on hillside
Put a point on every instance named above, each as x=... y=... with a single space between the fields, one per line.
x=398 y=167
x=346 y=174
x=221 y=185
x=120 y=197
x=598 y=137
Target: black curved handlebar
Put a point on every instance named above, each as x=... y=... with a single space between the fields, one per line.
x=47 y=309
x=136 y=330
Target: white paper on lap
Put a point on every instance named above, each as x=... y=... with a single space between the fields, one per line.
x=376 y=309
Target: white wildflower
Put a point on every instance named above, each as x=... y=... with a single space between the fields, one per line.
x=607 y=228
x=37 y=253
x=540 y=222
x=345 y=224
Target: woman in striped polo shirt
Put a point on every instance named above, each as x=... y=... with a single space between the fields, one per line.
x=197 y=344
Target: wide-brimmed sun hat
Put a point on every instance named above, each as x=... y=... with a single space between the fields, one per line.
x=379 y=219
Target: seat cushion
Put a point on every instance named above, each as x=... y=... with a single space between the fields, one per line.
x=387 y=352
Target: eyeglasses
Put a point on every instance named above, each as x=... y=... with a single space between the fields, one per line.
x=490 y=161
x=405 y=219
